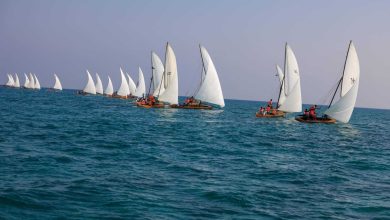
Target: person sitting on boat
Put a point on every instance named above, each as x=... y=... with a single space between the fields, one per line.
x=268 y=109
x=306 y=113
x=261 y=110
x=273 y=111
x=269 y=103
x=312 y=112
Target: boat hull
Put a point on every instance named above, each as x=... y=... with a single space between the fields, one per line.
x=278 y=114
x=322 y=120
x=199 y=107
x=156 y=105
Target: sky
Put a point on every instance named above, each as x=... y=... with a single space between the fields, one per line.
x=245 y=39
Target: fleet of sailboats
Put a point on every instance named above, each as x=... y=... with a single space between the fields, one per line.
x=164 y=87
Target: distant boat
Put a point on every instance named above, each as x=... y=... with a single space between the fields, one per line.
x=132 y=86
x=168 y=90
x=99 y=85
x=123 y=90
x=57 y=84
x=90 y=87
x=26 y=81
x=17 y=83
x=209 y=90
x=141 y=88
x=37 y=85
x=289 y=98
x=342 y=109
x=10 y=82
x=110 y=89
x=31 y=83
x=157 y=74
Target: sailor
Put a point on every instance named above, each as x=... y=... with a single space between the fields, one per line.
x=312 y=112
x=306 y=113
x=268 y=109
x=269 y=103
x=261 y=110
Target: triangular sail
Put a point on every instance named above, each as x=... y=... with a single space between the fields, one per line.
x=141 y=88
x=37 y=85
x=210 y=90
x=124 y=87
x=31 y=84
x=291 y=84
x=11 y=81
x=26 y=81
x=282 y=96
x=90 y=87
x=132 y=86
x=342 y=110
x=170 y=78
x=157 y=74
x=99 y=85
x=57 y=84
x=110 y=88
x=17 y=83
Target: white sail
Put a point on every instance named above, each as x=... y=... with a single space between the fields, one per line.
x=99 y=85
x=17 y=83
x=280 y=74
x=132 y=86
x=11 y=81
x=141 y=88
x=124 y=87
x=57 y=84
x=31 y=84
x=110 y=88
x=343 y=108
x=157 y=74
x=282 y=97
x=26 y=81
x=210 y=89
x=170 y=78
x=37 y=85
x=292 y=84
x=90 y=87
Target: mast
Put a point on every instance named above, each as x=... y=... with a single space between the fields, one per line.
x=342 y=76
x=151 y=79
x=284 y=75
x=165 y=69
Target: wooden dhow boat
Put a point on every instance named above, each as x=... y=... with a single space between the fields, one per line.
x=90 y=88
x=209 y=92
x=290 y=98
x=342 y=109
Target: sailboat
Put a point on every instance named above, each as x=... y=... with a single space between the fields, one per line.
x=157 y=75
x=141 y=88
x=99 y=85
x=123 y=90
x=90 y=87
x=209 y=91
x=10 y=82
x=168 y=88
x=26 y=81
x=17 y=83
x=31 y=82
x=110 y=89
x=57 y=84
x=132 y=86
x=342 y=109
x=37 y=85
x=290 y=98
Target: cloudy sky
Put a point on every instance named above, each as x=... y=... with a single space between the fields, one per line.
x=245 y=39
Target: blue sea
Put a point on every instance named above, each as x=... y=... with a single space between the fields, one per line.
x=64 y=156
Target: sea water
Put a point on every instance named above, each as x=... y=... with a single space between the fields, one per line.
x=68 y=156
